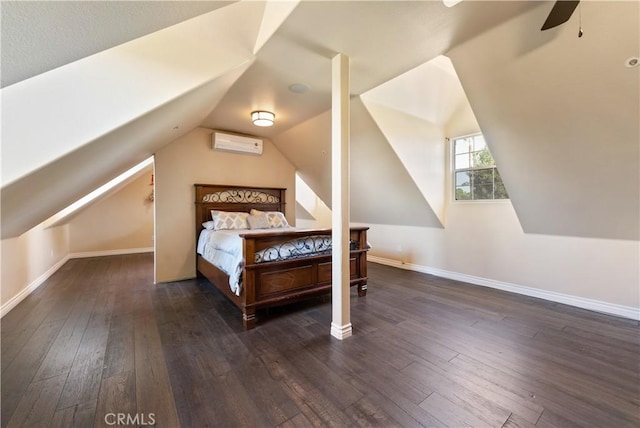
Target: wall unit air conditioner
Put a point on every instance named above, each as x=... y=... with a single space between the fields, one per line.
x=236 y=143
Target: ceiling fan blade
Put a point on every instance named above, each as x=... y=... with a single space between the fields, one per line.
x=560 y=13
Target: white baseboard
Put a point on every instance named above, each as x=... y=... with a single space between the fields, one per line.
x=110 y=252
x=580 y=302
x=6 y=307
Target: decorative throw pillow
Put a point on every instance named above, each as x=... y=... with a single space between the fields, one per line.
x=258 y=221
x=230 y=220
x=214 y=213
x=277 y=219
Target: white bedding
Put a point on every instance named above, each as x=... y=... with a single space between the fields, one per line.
x=223 y=249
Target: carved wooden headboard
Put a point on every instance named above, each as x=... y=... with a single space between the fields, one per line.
x=235 y=198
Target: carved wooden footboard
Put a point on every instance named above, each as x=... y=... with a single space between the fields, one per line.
x=271 y=283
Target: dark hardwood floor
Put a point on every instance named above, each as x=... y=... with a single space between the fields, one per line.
x=99 y=345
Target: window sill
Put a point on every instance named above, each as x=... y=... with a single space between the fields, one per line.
x=482 y=202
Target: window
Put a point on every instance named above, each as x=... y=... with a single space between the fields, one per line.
x=475 y=174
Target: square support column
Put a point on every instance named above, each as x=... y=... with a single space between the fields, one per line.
x=340 y=294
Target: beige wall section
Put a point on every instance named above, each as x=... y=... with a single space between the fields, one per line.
x=27 y=258
x=486 y=240
x=189 y=160
x=121 y=221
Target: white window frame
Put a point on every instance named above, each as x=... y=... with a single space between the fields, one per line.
x=452 y=187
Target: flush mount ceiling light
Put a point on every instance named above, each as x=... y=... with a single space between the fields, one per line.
x=298 y=88
x=632 y=62
x=262 y=118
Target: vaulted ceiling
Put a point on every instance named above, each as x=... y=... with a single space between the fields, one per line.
x=91 y=88
x=38 y=36
x=562 y=116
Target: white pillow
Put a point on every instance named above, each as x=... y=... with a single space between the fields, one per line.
x=208 y=225
x=277 y=219
x=230 y=220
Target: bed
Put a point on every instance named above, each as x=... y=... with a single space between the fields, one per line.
x=278 y=265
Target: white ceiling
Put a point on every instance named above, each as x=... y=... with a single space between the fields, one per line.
x=383 y=39
x=430 y=91
x=497 y=45
x=38 y=36
x=561 y=116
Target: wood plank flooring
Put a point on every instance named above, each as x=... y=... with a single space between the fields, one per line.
x=99 y=345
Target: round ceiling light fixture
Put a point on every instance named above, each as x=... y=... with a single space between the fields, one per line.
x=262 y=118
x=298 y=88
x=632 y=62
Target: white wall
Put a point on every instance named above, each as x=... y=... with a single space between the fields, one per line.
x=419 y=144
x=122 y=221
x=28 y=260
x=189 y=160
x=485 y=242
x=317 y=214
x=381 y=188
x=560 y=115
x=118 y=223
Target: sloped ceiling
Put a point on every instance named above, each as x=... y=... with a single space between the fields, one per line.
x=561 y=117
x=38 y=36
x=381 y=189
x=378 y=180
x=420 y=146
x=431 y=92
x=34 y=198
x=411 y=110
x=302 y=213
x=98 y=116
x=382 y=38
x=70 y=129
x=145 y=168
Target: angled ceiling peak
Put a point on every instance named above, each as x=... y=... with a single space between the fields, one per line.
x=84 y=100
x=100 y=115
x=275 y=12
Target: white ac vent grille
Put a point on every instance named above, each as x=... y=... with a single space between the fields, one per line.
x=237 y=143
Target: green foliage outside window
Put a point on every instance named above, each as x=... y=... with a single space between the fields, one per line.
x=476 y=174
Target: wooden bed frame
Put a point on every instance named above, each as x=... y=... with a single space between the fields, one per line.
x=272 y=283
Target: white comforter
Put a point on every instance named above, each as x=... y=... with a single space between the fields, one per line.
x=223 y=249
